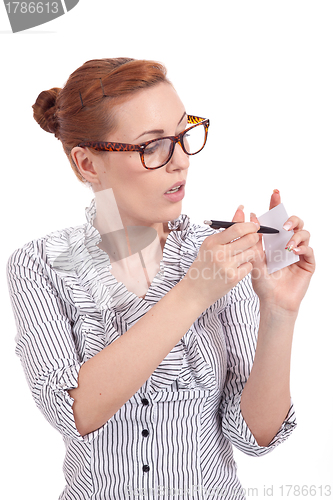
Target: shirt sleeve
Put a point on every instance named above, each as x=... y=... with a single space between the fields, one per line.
x=240 y=322
x=44 y=340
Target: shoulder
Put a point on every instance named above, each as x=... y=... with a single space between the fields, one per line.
x=33 y=254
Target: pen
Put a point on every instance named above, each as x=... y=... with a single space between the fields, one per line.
x=217 y=224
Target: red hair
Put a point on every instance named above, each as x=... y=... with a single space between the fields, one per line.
x=82 y=110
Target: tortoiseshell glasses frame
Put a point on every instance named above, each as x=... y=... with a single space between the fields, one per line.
x=195 y=121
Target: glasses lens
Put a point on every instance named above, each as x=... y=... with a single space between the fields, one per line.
x=157 y=153
x=194 y=139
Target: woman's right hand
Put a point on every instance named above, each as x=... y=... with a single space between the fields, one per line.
x=223 y=260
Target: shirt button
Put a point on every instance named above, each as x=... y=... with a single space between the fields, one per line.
x=145 y=433
x=146 y=468
x=145 y=401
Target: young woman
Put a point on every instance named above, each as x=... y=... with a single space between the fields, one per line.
x=140 y=332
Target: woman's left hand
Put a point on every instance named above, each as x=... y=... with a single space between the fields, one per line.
x=284 y=289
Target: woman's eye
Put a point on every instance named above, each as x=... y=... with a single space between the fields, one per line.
x=152 y=148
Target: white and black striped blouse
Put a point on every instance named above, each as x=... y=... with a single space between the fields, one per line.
x=174 y=437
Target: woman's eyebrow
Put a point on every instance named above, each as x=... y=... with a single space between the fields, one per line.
x=146 y=132
x=159 y=131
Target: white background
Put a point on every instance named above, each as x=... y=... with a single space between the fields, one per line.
x=262 y=72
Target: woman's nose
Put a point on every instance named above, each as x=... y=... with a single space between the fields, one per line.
x=179 y=158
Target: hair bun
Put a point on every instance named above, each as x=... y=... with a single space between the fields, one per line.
x=45 y=110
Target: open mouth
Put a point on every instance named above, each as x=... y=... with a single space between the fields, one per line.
x=176 y=193
x=176 y=187
x=173 y=190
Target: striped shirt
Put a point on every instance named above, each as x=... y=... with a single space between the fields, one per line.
x=174 y=437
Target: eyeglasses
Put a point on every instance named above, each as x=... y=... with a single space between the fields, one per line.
x=158 y=152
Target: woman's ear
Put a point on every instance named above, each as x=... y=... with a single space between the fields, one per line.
x=84 y=163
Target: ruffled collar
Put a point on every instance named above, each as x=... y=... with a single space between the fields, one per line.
x=76 y=257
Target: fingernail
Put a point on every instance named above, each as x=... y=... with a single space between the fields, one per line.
x=290 y=246
x=253 y=216
x=287 y=226
x=276 y=191
x=241 y=207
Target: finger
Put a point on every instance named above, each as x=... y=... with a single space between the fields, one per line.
x=239 y=214
x=299 y=238
x=275 y=199
x=253 y=218
x=307 y=259
x=234 y=232
x=242 y=244
x=248 y=255
x=260 y=260
x=293 y=223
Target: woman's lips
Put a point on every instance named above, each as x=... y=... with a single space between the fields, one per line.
x=176 y=184
x=178 y=195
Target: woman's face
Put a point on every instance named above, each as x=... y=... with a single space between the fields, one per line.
x=140 y=193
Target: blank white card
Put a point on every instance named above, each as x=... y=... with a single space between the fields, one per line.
x=276 y=255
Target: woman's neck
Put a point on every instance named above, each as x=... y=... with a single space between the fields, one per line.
x=120 y=241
